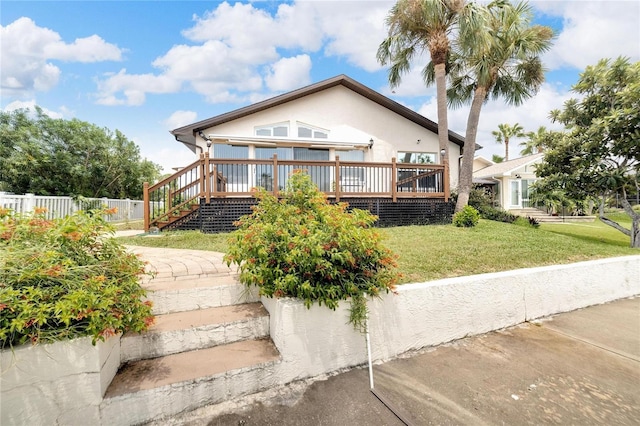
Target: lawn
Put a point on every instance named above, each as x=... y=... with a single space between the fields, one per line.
x=440 y=251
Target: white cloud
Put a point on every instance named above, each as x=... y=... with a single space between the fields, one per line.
x=289 y=73
x=31 y=106
x=240 y=50
x=133 y=87
x=180 y=118
x=593 y=30
x=28 y=49
x=531 y=115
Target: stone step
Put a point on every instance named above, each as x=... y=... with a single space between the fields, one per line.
x=190 y=330
x=157 y=388
x=179 y=295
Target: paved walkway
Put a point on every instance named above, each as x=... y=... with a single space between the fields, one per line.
x=179 y=264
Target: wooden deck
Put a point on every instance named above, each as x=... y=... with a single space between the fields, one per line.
x=207 y=179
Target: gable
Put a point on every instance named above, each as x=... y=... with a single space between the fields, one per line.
x=187 y=133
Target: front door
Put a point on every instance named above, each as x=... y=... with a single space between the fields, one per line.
x=516 y=201
x=520 y=193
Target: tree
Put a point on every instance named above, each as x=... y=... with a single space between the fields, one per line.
x=509 y=67
x=504 y=133
x=535 y=143
x=497 y=159
x=47 y=156
x=416 y=25
x=599 y=151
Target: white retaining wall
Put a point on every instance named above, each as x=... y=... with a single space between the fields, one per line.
x=58 y=383
x=317 y=340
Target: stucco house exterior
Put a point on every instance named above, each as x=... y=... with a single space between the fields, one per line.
x=337 y=117
x=510 y=180
x=358 y=146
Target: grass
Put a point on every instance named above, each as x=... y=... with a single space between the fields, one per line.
x=441 y=251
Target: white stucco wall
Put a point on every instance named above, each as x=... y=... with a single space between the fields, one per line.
x=316 y=341
x=57 y=383
x=349 y=117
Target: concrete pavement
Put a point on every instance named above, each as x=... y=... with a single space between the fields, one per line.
x=581 y=367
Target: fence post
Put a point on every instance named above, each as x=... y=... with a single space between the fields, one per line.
x=145 y=207
x=128 y=213
x=29 y=203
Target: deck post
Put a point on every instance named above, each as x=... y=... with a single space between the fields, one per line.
x=202 y=191
x=337 y=178
x=394 y=177
x=446 y=177
x=207 y=178
x=275 y=175
x=146 y=207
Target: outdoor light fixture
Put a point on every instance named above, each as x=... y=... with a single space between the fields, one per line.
x=518 y=176
x=202 y=135
x=442 y=151
x=208 y=143
x=370 y=143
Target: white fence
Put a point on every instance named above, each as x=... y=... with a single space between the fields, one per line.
x=58 y=207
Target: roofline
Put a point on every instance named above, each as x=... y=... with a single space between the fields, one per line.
x=508 y=171
x=341 y=79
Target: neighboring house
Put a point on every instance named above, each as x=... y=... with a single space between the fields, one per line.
x=338 y=117
x=509 y=181
x=480 y=163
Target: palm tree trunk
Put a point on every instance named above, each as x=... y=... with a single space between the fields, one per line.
x=506 y=149
x=466 y=168
x=441 y=97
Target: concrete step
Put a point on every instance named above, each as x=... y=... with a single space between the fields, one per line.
x=190 y=294
x=190 y=330
x=157 y=388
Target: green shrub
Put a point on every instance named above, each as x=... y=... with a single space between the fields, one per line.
x=66 y=278
x=302 y=246
x=468 y=217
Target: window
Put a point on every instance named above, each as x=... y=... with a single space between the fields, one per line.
x=275 y=130
x=417 y=157
x=307 y=131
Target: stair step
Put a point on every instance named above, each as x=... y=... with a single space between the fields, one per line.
x=204 y=328
x=186 y=294
x=156 y=388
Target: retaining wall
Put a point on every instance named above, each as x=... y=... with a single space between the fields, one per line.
x=58 y=383
x=317 y=340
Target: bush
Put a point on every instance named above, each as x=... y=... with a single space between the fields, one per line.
x=66 y=278
x=468 y=217
x=302 y=246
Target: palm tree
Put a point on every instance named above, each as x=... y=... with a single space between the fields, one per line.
x=536 y=141
x=416 y=26
x=509 y=68
x=505 y=132
x=497 y=159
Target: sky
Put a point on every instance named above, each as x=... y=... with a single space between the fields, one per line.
x=146 y=67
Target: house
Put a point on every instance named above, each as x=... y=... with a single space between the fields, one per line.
x=337 y=117
x=509 y=181
x=355 y=143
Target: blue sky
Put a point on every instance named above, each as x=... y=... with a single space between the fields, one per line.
x=145 y=67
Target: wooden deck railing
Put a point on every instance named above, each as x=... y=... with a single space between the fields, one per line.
x=209 y=178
